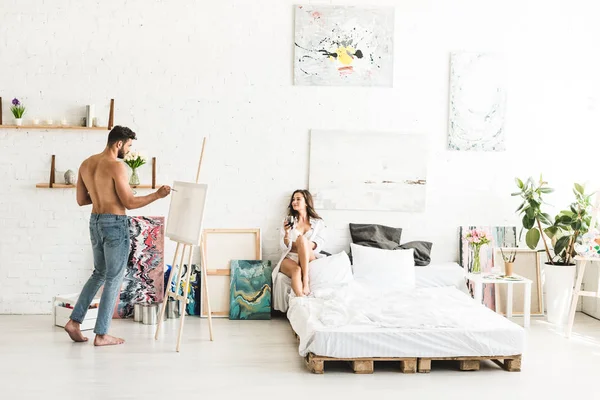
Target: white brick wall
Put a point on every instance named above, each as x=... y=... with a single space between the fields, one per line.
x=224 y=69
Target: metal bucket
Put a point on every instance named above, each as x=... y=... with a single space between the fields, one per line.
x=137 y=312
x=149 y=316
x=172 y=309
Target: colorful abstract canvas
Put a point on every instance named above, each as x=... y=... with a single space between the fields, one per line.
x=501 y=236
x=477 y=102
x=143 y=282
x=193 y=294
x=250 y=289
x=343 y=46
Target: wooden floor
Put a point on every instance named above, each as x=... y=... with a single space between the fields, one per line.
x=254 y=359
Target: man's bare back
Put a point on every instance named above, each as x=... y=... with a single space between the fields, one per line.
x=98 y=173
x=104 y=183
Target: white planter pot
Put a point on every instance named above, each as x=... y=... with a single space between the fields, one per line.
x=18 y=121
x=559 y=281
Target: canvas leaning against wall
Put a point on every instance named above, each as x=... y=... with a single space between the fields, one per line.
x=251 y=285
x=343 y=46
x=143 y=282
x=368 y=171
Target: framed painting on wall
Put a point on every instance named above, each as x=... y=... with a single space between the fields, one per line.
x=343 y=46
x=362 y=170
x=477 y=104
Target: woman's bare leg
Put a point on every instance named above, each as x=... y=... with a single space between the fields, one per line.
x=291 y=269
x=305 y=256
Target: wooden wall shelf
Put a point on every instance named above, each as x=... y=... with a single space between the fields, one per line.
x=51 y=184
x=46 y=185
x=54 y=186
x=93 y=128
x=111 y=118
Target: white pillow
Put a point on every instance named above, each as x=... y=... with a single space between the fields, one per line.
x=330 y=271
x=386 y=269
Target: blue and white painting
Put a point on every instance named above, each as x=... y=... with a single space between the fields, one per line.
x=251 y=285
x=477 y=102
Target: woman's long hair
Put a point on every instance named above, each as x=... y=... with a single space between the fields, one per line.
x=310 y=208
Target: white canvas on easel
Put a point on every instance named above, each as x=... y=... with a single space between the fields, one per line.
x=184 y=226
x=184 y=223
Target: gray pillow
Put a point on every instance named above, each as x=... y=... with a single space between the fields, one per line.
x=422 y=251
x=372 y=235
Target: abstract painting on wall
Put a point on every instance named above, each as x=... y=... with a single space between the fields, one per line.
x=368 y=170
x=143 y=282
x=343 y=46
x=477 y=102
x=250 y=289
x=501 y=236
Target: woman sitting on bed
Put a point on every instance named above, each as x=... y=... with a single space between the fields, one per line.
x=301 y=240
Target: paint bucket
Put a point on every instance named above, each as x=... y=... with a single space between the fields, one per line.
x=137 y=312
x=149 y=316
x=172 y=309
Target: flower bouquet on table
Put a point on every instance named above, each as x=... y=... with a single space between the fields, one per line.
x=477 y=238
x=135 y=160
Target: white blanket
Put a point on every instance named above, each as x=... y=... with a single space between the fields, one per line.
x=433 y=275
x=357 y=308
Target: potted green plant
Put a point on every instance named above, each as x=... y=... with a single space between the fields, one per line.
x=563 y=232
x=18 y=110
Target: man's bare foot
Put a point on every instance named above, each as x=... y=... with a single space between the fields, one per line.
x=107 y=340
x=74 y=331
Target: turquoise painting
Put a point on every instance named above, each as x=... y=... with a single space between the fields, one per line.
x=250 y=289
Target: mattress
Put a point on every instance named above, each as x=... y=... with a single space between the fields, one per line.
x=433 y=275
x=355 y=321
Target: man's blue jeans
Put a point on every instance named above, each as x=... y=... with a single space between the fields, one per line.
x=110 y=244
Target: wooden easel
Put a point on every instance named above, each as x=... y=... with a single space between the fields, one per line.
x=186 y=281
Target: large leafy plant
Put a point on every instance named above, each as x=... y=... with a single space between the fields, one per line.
x=566 y=227
x=533 y=218
x=569 y=225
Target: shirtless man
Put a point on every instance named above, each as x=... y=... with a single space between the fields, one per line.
x=103 y=182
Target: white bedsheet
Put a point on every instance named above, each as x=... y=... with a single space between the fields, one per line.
x=358 y=321
x=433 y=275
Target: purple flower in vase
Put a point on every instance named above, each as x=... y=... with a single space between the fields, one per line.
x=16 y=102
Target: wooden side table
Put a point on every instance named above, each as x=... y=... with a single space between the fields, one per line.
x=479 y=279
x=581 y=263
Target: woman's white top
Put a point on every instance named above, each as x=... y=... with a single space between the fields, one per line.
x=314 y=234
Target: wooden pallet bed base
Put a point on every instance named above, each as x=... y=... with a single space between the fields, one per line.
x=408 y=365
x=316 y=364
x=509 y=363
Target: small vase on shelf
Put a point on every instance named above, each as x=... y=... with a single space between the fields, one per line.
x=134 y=180
x=19 y=121
x=476 y=268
